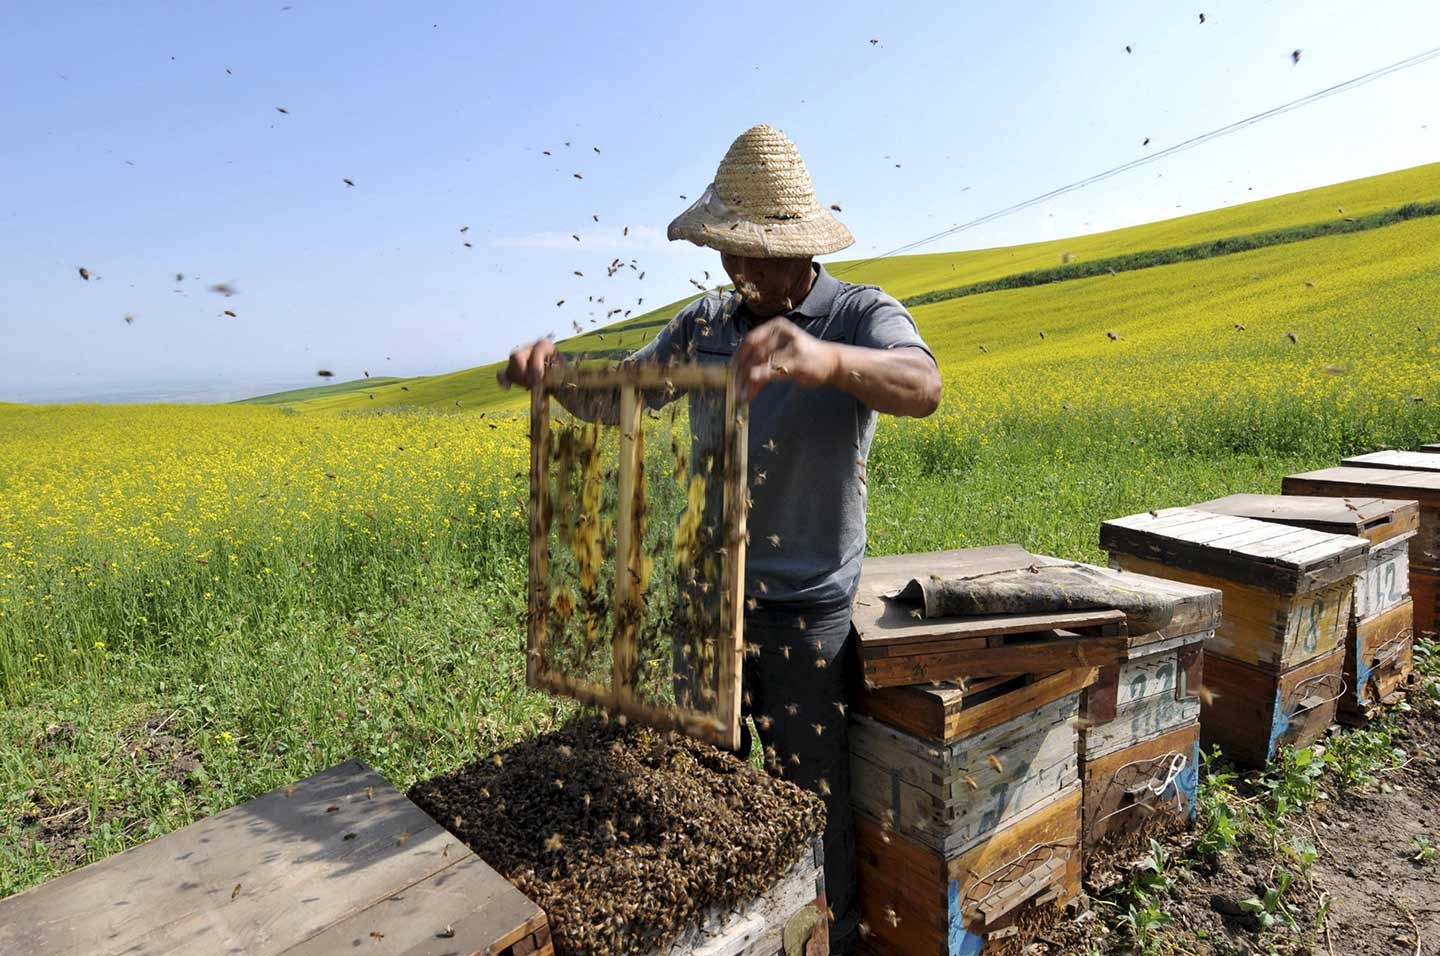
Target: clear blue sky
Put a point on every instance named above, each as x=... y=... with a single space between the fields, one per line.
x=129 y=149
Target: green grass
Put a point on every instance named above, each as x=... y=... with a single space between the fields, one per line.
x=349 y=389
x=389 y=623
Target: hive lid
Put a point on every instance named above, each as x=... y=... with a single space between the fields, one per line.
x=1255 y=553
x=1374 y=519
x=1197 y=608
x=1421 y=486
x=880 y=621
x=1397 y=460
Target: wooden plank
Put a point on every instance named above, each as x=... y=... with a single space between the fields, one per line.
x=1375 y=519
x=708 y=376
x=1117 y=800
x=537 y=620
x=732 y=575
x=916 y=902
x=629 y=540
x=1266 y=563
x=942 y=714
x=1267 y=627
x=1394 y=459
x=890 y=623
x=1419 y=486
x=272 y=875
x=1252 y=712
x=1385 y=582
x=1019 y=658
x=1138 y=720
x=1378 y=660
x=1425 y=591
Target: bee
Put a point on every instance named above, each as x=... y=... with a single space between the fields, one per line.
x=332 y=809
x=1294 y=56
x=970 y=782
x=596 y=148
x=559 y=783
x=774 y=540
x=1127 y=48
x=578 y=176
x=824 y=788
x=290 y=790
x=984 y=349
x=348 y=182
x=836 y=207
x=770 y=445
x=820 y=663
x=447 y=933
x=232 y=315
x=792 y=709
x=800 y=623
x=1206 y=695
x=764 y=722
x=376 y=934
x=795 y=759
x=179 y=277
x=1202 y=18
x=565 y=751
x=1239 y=327
x=890 y=916
x=1113 y=336
x=281 y=109
x=759 y=476
x=348 y=837
x=129 y=320
x=469 y=246
x=403 y=838
x=917 y=614
x=498 y=760
x=819 y=729
x=575 y=237
x=224 y=288
x=404 y=388
x=865 y=929
x=995 y=762
x=85 y=273
x=595 y=216
x=545 y=151
x=235 y=892
x=625 y=231
x=786 y=652
x=579 y=273
x=1293 y=337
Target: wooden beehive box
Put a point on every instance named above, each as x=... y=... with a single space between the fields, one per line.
x=919 y=902
x=1287 y=591
x=339 y=862
x=899 y=646
x=1273 y=669
x=1140 y=733
x=1395 y=460
x=1422 y=487
x=1378 y=658
x=617 y=556
x=998 y=758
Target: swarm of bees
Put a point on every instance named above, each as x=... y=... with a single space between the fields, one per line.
x=651 y=833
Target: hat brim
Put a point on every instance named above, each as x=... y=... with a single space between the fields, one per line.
x=711 y=222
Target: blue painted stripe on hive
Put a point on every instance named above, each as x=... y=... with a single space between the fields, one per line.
x=1188 y=782
x=1280 y=723
x=1363 y=671
x=961 y=942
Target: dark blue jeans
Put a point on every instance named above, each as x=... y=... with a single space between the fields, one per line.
x=798 y=676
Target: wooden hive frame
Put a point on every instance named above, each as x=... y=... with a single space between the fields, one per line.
x=721 y=726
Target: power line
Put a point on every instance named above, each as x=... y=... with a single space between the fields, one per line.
x=1191 y=143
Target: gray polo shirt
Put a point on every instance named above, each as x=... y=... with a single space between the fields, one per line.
x=811 y=443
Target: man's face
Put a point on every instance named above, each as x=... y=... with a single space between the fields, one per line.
x=769 y=286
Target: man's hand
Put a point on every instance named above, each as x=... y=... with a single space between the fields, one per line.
x=781 y=349
x=528 y=363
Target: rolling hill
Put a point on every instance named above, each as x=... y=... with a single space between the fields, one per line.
x=1162 y=300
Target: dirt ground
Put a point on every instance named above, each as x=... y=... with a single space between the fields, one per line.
x=1379 y=899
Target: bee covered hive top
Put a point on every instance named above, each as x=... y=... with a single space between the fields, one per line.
x=625 y=836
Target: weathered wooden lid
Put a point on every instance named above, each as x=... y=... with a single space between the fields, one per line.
x=1421 y=486
x=1374 y=519
x=1257 y=553
x=366 y=863
x=1397 y=460
x=880 y=622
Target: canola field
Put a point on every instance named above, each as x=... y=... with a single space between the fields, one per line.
x=201 y=603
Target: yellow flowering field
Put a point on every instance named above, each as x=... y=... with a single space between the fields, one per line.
x=117 y=522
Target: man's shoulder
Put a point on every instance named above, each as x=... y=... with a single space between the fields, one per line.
x=860 y=297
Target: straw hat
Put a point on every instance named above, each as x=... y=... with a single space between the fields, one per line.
x=762 y=204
